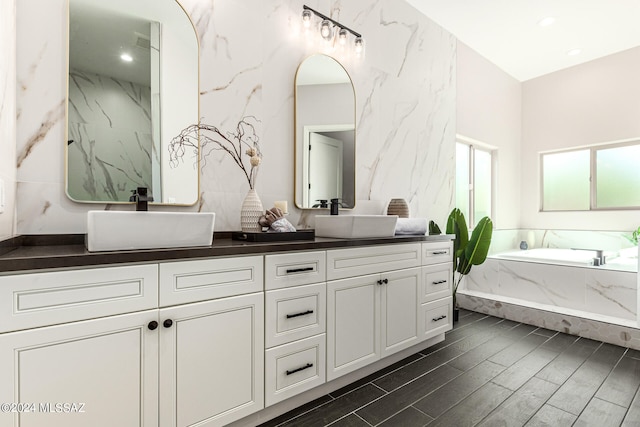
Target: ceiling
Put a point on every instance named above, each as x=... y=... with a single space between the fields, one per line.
x=506 y=32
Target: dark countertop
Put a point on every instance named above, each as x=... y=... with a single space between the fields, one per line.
x=24 y=253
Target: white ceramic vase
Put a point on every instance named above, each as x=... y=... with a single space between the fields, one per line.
x=251 y=212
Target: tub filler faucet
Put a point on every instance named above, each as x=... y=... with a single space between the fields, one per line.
x=600 y=259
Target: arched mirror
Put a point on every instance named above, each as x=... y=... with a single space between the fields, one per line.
x=133 y=86
x=324 y=134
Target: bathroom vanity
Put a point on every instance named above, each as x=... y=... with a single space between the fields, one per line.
x=210 y=335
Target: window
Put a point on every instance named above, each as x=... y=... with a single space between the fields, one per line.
x=599 y=177
x=474 y=180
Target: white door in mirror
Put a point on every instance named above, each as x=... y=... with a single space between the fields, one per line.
x=126 y=230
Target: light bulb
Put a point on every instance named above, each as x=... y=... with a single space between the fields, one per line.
x=306 y=18
x=325 y=30
x=359 y=43
x=342 y=36
x=126 y=57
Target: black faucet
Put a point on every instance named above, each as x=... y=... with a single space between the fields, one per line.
x=335 y=203
x=141 y=198
x=322 y=204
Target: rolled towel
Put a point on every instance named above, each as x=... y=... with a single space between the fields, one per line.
x=411 y=226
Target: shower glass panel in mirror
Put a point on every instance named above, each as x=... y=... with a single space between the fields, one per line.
x=133 y=86
x=324 y=134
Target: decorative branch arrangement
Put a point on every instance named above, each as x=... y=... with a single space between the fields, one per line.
x=241 y=144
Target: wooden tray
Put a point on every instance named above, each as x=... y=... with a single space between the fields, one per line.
x=273 y=236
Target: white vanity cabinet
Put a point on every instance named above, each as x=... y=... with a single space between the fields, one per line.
x=370 y=316
x=195 y=359
x=99 y=370
x=437 y=288
x=295 y=324
x=212 y=351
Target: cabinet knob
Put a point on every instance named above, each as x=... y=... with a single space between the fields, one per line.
x=385 y=281
x=167 y=323
x=152 y=325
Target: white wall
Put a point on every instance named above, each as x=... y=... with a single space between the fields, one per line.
x=592 y=103
x=488 y=109
x=8 y=114
x=249 y=53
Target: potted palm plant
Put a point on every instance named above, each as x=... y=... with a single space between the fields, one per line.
x=467 y=252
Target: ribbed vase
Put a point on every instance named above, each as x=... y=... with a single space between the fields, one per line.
x=251 y=212
x=398 y=207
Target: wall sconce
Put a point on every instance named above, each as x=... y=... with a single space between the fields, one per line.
x=328 y=29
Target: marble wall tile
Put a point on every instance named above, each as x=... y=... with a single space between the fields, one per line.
x=8 y=114
x=249 y=53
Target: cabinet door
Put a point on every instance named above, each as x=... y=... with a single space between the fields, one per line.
x=107 y=367
x=400 y=300
x=212 y=361
x=353 y=324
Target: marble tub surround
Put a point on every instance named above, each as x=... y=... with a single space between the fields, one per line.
x=590 y=290
x=249 y=53
x=626 y=335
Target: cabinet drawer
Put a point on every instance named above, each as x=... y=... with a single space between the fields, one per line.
x=343 y=263
x=437 y=252
x=436 y=281
x=39 y=299
x=293 y=269
x=437 y=317
x=294 y=313
x=190 y=281
x=293 y=368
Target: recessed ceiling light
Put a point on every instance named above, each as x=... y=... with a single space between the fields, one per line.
x=545 y=22
x=126 y=57
x=574 y=52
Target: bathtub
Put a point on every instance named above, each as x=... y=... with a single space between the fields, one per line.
x=553 y=256
x=563 y=281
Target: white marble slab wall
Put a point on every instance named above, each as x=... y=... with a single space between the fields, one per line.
x=249 y=53
x=7 y=115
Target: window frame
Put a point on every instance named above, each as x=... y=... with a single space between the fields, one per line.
x=593 y=175
x=474 y=145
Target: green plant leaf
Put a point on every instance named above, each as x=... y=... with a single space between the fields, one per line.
x=476 y=251
x=434 y=229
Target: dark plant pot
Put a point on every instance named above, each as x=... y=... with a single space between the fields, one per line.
x=456 y=314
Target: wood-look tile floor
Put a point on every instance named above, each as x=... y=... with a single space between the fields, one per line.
x=490 y=372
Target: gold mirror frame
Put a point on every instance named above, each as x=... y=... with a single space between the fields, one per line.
x=191 y=161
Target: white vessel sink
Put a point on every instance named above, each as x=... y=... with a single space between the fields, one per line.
x=125 y=230
x=355 y=226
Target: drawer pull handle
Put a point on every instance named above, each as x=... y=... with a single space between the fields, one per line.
x=436 y=319
x=304 y=313
x=439 y=253
x=302 y=368
x=439 y=282
x=299 y=270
